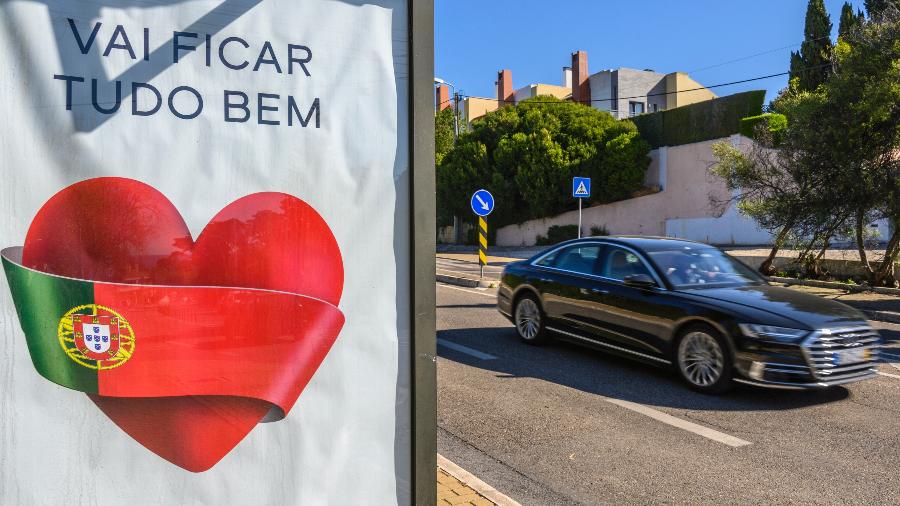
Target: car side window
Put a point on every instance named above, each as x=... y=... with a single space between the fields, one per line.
x=618 y=263
x=581 y=259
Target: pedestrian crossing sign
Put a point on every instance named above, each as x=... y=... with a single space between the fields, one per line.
x=581 y=187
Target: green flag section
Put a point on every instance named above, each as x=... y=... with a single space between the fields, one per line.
x=41 y=301
x=169 y=341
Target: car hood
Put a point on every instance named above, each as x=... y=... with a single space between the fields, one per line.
x=810 y=311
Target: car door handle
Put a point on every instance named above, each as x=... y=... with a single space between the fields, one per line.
x=545 y=280
x=596 y=291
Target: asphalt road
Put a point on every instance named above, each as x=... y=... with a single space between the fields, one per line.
x=561 y=424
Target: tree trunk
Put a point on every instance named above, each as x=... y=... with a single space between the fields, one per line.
x=766 y=268
x=885 y=274
x=861 y=244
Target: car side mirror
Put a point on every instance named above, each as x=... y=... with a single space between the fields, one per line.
x=640 y=281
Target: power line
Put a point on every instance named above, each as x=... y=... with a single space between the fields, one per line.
x=743 y=58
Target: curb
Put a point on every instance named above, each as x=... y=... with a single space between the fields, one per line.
x=883 y=316
x=836 y=286
x=474 y=483
x=466 y=282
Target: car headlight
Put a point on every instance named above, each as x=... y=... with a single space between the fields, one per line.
x=772 y=333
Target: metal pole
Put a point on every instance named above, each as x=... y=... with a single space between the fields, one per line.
x=455 y=115
x=482 y=243
x=579 y=218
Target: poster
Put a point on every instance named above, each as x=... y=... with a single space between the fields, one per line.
x=205 y=235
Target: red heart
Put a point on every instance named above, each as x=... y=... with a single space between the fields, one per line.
x=123 y=231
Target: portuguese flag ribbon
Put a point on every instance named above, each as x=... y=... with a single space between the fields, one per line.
x=147 y=341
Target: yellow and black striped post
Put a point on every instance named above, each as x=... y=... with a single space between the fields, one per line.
x=482 y=243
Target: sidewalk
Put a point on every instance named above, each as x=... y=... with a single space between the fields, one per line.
x=451 y=491
x=455 y=485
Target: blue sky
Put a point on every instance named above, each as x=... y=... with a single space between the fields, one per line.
x=475 y=39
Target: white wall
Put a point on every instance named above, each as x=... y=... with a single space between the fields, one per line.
x=684 y=208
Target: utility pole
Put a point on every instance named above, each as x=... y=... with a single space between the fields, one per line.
x=455 y=114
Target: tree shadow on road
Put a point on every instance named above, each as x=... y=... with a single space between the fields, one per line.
x=608 y=375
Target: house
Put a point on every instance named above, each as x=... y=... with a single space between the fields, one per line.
x=625 y=92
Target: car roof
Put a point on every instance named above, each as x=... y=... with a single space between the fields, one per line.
x=646 y=243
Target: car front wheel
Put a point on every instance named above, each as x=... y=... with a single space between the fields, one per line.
x=529 y=320
x=704 y=361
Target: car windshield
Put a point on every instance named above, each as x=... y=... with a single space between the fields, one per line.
x=692 y=267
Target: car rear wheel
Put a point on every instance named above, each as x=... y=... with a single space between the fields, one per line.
x=529 y=320
x=703 y=360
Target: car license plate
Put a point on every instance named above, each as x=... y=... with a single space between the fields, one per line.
x=846 y=357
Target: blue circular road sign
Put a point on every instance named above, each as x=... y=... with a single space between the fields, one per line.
x=482 y=203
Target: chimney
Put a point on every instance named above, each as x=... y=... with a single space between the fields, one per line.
x=581 y=85
x=505 y=93
x=442 y=97
x=567 y=77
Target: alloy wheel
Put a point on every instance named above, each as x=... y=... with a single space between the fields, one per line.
x=701 y=359
x=528 y=319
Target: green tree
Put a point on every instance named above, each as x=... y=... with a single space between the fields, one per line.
x=837 y=165
x=811 y=65
x=527 y=155
x=863 y=132
x=876 y=8
x=444 y=134
x=849 y=20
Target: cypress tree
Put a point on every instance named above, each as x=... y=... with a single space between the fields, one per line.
x=849 y=20
x=813 y=65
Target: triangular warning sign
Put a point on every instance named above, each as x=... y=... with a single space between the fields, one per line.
x=581 y=190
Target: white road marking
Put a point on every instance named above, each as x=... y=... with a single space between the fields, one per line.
x=474 y=483
x=668 y=419
x=475 y=264
x=480 y=355
x=486 y=294
x=889 y=375
x=462 y=274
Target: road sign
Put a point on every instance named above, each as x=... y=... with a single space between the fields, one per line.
x=581 y=187
x=482 y=203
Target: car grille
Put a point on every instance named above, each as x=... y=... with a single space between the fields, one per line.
x=822 y=348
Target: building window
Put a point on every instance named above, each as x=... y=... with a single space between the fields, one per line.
x=635 y=108
x=654 y=107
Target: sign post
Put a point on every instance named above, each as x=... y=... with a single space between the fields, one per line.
x=482 y=205
x=581 y=189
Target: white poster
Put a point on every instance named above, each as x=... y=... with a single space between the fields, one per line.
x=205 y=241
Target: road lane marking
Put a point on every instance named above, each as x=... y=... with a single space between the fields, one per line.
x=466 y=275
x=467 y=263
x=668 y=419
x=889 y=375
x=480 y=355
x=491 y=295
x=474 y=483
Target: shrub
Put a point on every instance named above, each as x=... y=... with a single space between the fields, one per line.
x=599 y=231
x=557 y=234
x=703 y=121
x=774 y=123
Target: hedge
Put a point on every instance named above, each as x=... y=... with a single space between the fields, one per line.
x=703 y=121
x=775 y=123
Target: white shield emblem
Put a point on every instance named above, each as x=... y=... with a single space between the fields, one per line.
x=96 y=337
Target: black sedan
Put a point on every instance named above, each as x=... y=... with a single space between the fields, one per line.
x=687 y=305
